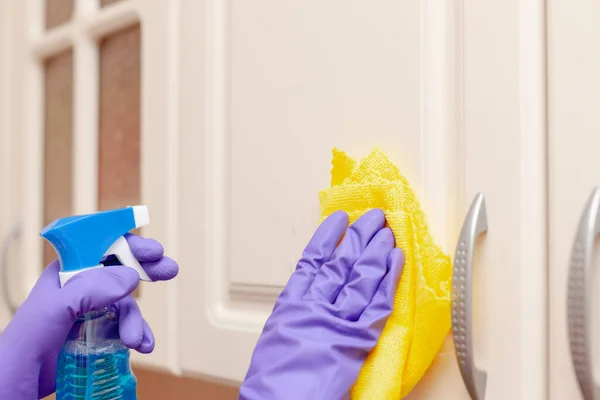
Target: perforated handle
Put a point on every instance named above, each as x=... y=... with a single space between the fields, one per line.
x=579 y=293
x=462 y=283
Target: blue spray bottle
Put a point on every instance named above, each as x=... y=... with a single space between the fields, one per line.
x=94 y=363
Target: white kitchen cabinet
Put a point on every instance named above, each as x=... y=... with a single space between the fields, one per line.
x=240 y=105
x=574 y=172
x=452 y=91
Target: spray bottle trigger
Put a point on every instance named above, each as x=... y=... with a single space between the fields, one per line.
x=120 y=249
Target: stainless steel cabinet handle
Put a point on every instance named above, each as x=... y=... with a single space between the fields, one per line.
x=462 y=282
x=12 y=236
x=579 y=313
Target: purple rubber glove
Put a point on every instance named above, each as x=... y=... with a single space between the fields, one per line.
x=32 y=341
x=330 y=314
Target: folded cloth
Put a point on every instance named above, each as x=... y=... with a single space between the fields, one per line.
x=420 y=320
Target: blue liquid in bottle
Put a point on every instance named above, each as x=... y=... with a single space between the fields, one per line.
x=94 y=364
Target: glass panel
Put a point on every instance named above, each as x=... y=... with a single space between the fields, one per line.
x=104 y=3
x=58 y=12
x=58 y=141
x=119 y=130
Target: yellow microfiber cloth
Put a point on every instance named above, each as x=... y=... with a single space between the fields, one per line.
x=420 y=320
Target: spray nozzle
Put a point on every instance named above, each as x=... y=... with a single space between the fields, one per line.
x=82 y=242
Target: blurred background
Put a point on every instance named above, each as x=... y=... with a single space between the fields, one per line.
x=220 y=115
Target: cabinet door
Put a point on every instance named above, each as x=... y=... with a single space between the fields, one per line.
x=574 y=140
x=269 y=88
x=504 y=159
x=86 y=130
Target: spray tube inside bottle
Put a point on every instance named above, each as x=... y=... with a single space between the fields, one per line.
x=94 y=364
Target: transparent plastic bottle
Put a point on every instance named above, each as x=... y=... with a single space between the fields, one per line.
x=94 y=363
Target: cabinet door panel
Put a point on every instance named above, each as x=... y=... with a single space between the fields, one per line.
x=574 y=139
x=281 y=83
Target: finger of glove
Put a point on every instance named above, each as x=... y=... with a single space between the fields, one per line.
x=98 y=288
x=133 y=328
x=318 y=251
x=149 y=253
x=131 y=323
x=148 y=342
x=365 y=276
x=333 y=274
x=380 y=307
x=144 y=249
x=161 y=270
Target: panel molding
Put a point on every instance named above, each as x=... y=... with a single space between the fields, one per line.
x=203 y=205
x=242 y=292
x=442 y=160
x=216 y=173
x=442 y=165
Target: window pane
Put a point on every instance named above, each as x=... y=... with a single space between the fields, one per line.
x=58 y=12
x=119 y=131
x=104 y=3
x=58 y=141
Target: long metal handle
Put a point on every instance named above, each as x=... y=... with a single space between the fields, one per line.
x=462 y=283
x=12 y=236
x=579 y=313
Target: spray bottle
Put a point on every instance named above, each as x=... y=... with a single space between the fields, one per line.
x=94 y=363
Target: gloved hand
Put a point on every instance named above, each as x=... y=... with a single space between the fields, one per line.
x=32 y=341
x=330 y=314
